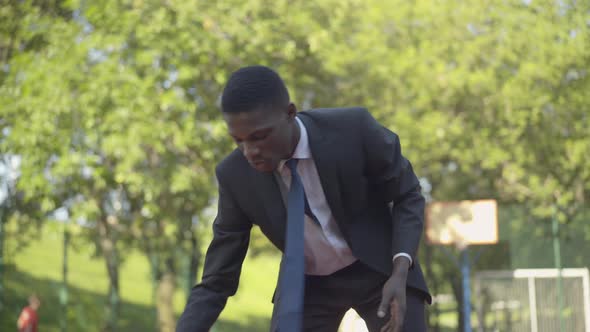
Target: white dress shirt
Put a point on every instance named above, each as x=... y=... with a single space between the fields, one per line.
x=326 y=251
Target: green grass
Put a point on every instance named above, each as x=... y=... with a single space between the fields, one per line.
x=37 y=268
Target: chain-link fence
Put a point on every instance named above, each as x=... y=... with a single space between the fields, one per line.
x=535 y=300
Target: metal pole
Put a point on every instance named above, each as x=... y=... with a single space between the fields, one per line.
x=465 y=273
x=188 y=275
x=154 y=263
x=2 y=216
x=533 y=304
x=64 y=286
x=4 y=212
x=557 y=256
x=586 y=292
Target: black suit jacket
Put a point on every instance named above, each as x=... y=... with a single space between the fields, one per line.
x=362 y=172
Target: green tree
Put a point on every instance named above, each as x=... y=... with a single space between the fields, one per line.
x=489 y=98
x=112 y=105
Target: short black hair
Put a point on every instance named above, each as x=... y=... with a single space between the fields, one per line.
x=253 y=87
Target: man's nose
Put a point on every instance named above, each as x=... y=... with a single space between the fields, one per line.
x=251 y=151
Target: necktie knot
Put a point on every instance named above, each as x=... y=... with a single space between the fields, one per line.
x=292 y=164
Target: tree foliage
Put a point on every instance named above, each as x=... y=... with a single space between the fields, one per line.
x=112 y=105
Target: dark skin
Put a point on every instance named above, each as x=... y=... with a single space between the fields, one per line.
x=394 y=296
x=267 y=136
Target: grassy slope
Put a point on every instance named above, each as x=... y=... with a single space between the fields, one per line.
x=38 y=268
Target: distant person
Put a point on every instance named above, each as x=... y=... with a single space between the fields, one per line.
x=332 y=190
x=28 y=320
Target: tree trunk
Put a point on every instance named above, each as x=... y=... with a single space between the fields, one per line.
x=195 y=257
x=433 y=315
x=108 y=246
x=164 y=299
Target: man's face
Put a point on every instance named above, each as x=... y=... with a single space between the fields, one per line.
x=265 y=136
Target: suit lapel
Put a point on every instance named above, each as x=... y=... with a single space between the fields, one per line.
x=326 y=154
x=270 y=195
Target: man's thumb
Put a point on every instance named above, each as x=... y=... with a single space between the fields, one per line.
x=383 y=306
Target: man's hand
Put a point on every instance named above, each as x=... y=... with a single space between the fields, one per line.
x=393 y=297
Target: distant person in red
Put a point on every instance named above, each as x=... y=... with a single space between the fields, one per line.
x=28 y=319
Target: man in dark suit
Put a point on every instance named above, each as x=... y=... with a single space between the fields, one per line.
x=361 y=211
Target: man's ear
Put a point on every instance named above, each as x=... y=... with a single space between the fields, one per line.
x=291 y=111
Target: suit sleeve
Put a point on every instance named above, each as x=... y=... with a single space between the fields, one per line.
x=223 y=264
x=394 y=178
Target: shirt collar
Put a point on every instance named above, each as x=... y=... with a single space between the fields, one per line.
x=302 y=150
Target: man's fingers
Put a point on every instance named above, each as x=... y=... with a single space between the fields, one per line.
x=392 y=324
x=381 y=311
x=399 y=325
x=397 y=316
x=387 y=327
x=384 y=305
x=394 y=311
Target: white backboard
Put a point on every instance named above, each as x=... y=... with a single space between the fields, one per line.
x=462 y=223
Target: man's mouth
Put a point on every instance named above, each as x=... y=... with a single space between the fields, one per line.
x=261 y=165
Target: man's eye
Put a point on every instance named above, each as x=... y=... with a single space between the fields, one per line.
x=259 y=137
